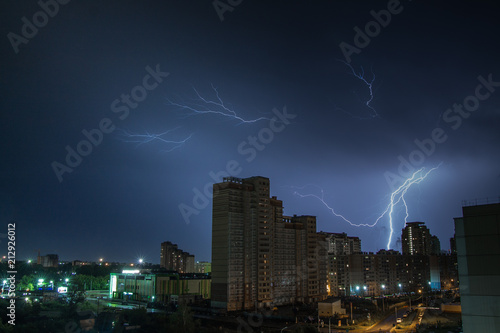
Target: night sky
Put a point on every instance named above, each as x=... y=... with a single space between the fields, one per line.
x=154 y=152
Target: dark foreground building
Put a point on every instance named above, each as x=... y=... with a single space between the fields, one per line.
x=478 y=247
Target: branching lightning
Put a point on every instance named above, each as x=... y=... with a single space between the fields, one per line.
x=203 y=105
x=141 y=139
x=369 y=83
x=396 y=197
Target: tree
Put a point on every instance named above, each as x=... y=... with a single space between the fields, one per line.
x=305 y=329
x=74 y=298
x=181 y=321
x=26 y=282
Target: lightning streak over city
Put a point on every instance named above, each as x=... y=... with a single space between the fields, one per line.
x=141 y=139
x=395 y=198
x=369 y=84
x=203 y=105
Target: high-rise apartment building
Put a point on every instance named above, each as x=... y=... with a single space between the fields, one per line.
x=416 y=239
x=435 y=247
x=173 y=258
x=49 y=260
x=341 y=244
x=388 y=272
x=478 y=249
x=260 y=257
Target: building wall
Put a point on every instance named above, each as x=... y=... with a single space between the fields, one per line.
x=159 y=287
x=238 y=216
x=330 y=308
x=478 y=249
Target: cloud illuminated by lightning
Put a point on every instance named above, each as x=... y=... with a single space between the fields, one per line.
x=369 y=83
x=141 y=139
x=202 y=105
x=395 y=198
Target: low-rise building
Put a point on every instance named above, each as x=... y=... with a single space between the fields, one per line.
x=166 y=287
x=330 y=307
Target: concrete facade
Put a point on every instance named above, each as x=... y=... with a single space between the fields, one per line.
x=478 y=248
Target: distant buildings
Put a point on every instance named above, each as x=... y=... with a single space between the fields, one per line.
x=203 y=267
x=417 y=239
x=421 y=267
x=478 y=247
x=366 y=274
x=49 y=260
x=260 y=257
x=172 y=258
x=341 y=244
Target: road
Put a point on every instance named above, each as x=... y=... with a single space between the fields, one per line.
x=106 y=303
x=388 y=323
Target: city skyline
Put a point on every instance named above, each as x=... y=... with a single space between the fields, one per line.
x=117 y=118
x=140 y=260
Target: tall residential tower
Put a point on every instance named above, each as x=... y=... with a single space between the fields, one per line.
x=260 y=257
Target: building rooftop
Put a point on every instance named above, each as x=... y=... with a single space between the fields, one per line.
x=481 y=201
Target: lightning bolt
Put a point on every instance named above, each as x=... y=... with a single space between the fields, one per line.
x=369 y=83
x=141 y=139
x=208 y=106
x=395 y=198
